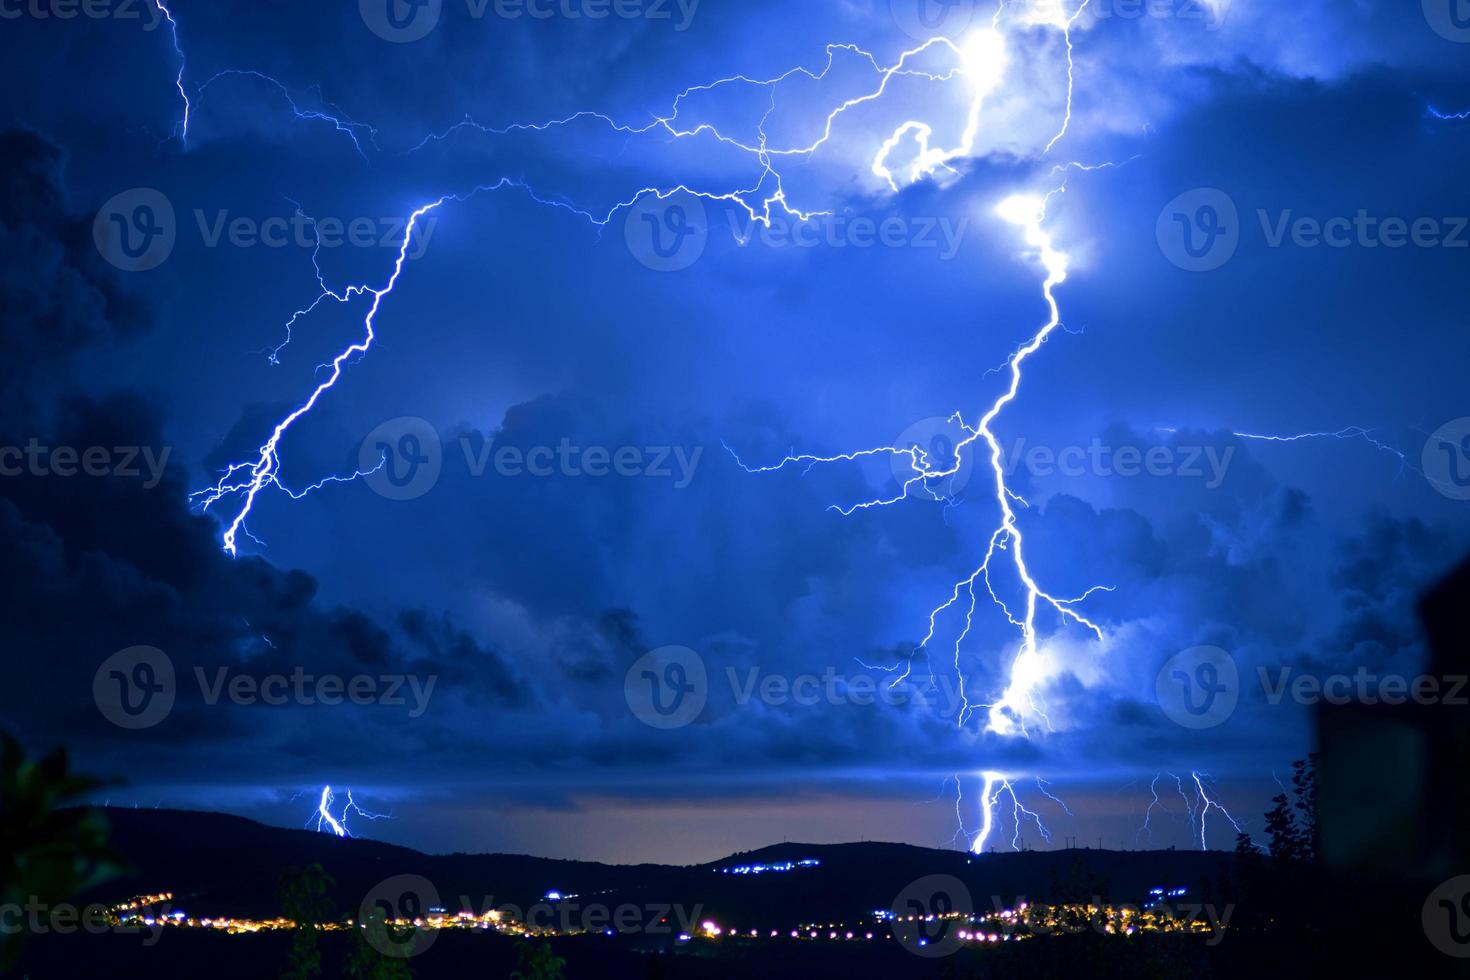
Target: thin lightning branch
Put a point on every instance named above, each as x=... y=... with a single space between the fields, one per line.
x=1147 y=827
x=1351 y=432
x=355 y=131
x=1042 y=784
x=173 y=26
x=1449 y=116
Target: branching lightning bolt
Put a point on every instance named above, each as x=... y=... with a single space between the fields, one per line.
x=996 y=785
x=1018 y=700
x=327 y=822
x=982 y=60
x=1197 y=807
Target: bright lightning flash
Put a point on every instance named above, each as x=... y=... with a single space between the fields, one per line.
x=327 y=822
x=1029 y=669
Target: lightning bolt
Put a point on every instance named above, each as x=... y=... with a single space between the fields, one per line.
x=355 y=131
x=982 y=60
x=1018 y=700
x=996 y=785
x=327 y=822
x=1348 y=434
x=1449 y=116
x=173 y=26
x=1196 y=808
x=1208 y=804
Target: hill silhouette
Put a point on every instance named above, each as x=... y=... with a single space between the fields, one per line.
x=217 y=864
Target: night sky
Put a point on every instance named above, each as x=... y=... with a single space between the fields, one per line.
x=518 y=323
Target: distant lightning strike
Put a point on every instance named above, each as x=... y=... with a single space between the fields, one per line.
x=1196 y=807
x=996 y=785
x=1210 y=804
x=327 y=822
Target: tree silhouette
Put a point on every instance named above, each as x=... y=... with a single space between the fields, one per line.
x=48 y=852
x=538 y=962
x=304 y=901
x=367 y=960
